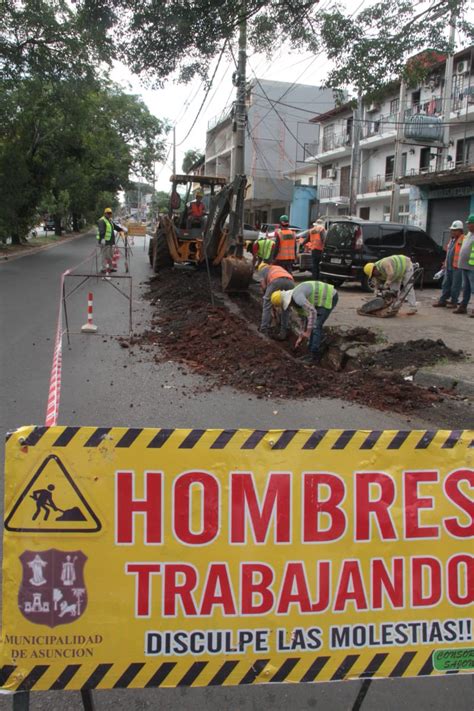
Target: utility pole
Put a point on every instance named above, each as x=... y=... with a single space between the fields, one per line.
x=397 y=161
x=355 y=157
x=447 y=94
x=174 y=150
x=239 y=124
x=240 y=109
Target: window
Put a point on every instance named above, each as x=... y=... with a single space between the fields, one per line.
x=394 y=106
x=392 y=237
x=389 y=164
x=465 y=151
x=310 y=181
x=403 y=170
x=425 y=158
x=325 y=169
x=298 y=181
x=419 y=240
x=364 y=213
x=415 y=101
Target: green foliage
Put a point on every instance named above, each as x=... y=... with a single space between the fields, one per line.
x=368 y=48
x=191 y=157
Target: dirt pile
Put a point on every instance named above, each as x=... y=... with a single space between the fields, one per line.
x=412 y=355
x=226 y=347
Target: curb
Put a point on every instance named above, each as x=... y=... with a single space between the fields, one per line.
x=18 y=255
x=461 y=386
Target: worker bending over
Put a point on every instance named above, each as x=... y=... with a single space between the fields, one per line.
x=284 y=251
x=274 y=278
x=393 y=274
x=313 y=301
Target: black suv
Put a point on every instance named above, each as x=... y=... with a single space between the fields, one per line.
x=351 y=243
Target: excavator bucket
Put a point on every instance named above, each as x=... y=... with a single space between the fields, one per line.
x=236 y=274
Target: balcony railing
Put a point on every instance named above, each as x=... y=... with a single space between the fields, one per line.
x=376 y=183
x=215 y=120
x=340 y=192
x=336 y=140
x=380 y=126
x=450 y=165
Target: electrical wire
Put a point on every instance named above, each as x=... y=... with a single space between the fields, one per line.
x=205 y=96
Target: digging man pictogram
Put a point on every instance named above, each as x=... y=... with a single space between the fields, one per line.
x=44 y=500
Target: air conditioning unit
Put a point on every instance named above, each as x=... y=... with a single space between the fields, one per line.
x=373 y=107
x=331 y=173
x=463 y=67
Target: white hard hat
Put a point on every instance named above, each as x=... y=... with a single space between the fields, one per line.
x=457 y=225
x=286 y=298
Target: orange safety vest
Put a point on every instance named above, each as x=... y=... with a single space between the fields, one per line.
x=316 y=239
x=197 y=209
x=287 y=246
x=276 y=272
x=457 y=249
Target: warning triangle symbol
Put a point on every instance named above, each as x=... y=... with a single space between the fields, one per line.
x=52 y=503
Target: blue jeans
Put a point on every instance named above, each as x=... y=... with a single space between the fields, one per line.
x=467 y=285
x=451 y=287
x=315 y=260
x=317 y=332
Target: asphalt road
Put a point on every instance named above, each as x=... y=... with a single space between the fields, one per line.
x=106 y=385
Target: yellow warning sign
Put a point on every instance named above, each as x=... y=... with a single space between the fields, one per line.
x=225 y=557
x=52 y=502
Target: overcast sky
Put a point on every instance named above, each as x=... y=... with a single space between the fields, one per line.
x=180 y=103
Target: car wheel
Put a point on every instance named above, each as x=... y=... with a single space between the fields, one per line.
x=334 y=281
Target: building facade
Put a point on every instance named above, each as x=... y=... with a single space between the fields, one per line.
x=278 y=132
x=433 y=191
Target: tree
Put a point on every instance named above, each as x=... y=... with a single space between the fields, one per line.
x=369 y=48
x=191 y=157
x=60 y=149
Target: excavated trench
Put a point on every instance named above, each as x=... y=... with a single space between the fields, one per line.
x=221 y=341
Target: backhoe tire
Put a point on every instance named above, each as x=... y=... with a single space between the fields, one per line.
x=161 y=254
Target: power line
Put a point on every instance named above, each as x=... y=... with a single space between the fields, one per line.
x=205 y=96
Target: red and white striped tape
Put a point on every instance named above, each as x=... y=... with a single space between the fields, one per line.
x=52 y=408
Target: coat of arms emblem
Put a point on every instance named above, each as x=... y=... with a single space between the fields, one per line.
x=52 y=590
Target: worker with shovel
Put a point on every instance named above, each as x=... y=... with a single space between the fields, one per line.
x=313 y=302
x=393 y=275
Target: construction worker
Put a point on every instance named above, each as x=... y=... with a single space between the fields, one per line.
x=466 y=264
x=315 y=242
x=393 y=274
x=106 y=229
x=313 y=301
x=284 y=250
x=262 y=250
x=196 y=212
x=274 y=278
x=452 y=280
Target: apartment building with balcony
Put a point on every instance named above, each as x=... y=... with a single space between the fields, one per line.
x=278 y=130
x=432 y=193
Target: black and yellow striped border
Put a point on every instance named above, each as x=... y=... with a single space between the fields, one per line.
x=216 y=439
x=145 y=675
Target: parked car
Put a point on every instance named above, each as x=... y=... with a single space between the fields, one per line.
x=352 y=243
x=250 y=233
x=267 y=229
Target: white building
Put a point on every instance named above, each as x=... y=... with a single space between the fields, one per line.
x=278 y=132
x=432 y=193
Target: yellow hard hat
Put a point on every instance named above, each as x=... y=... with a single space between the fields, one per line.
x=368 y=269
x=107 y=209
x=276 y=299
x=261 y=266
